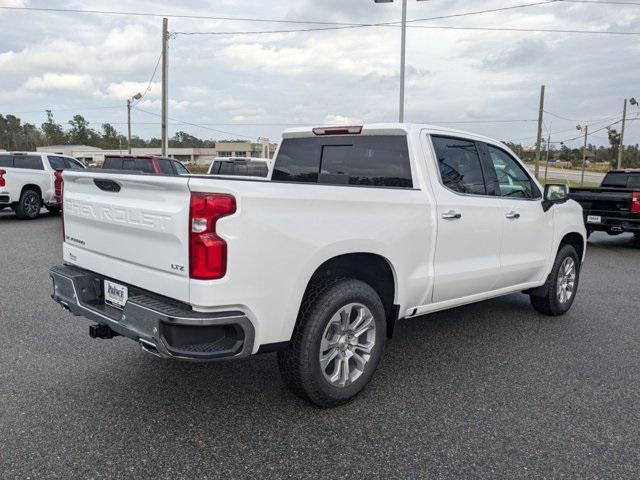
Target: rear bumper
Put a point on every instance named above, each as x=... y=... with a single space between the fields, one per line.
x=612 y=224
x=162 y=326
x=4 y=199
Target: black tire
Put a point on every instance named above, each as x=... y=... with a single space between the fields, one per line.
x=551 y=303
x=300 y=363
x=29 y=205
x=54 y=210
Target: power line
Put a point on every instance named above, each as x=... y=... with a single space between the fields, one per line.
x=194 y=124
x=153 y=76
x=604 y=119
x=430 y=27
x=260 y=20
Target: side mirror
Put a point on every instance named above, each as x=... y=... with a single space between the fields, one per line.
x=554 y=193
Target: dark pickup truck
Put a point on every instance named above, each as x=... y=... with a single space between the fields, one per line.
x=615 y=206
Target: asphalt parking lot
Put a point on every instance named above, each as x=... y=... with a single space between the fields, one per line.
x=491 y=390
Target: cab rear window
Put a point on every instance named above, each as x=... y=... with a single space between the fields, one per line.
x=621 y=180
x=368 y=160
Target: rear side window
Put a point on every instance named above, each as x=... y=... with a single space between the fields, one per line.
x=30 y=162
x=459 y=164
x=138 y=164
x=112 y=163
x=165 y=166
x=6 y=161
x=370 y=160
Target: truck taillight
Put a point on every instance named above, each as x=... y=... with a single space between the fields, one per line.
x=207 y=251
x=3 y=182
x=635 y=202
x=57 y=186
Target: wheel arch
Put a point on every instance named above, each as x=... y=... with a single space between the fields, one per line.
x=370 y=268
x=577 y=241
x=32 y=186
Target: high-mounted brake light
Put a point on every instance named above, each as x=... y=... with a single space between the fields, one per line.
x=354 y=130
x=635 y=202
x=207 y=251
x=3 y=182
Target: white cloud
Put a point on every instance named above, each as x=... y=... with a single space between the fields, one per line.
x=60 y=81
x=332 y=119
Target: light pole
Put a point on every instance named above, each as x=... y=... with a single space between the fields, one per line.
x=137 y=96
x=403 y=42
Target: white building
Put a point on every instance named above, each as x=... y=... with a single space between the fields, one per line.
x=198 y=156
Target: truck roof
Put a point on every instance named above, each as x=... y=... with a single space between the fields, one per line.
x=383 y=129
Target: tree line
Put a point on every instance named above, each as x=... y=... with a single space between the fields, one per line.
x=18 y=136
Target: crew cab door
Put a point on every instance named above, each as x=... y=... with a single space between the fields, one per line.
x=527 y=229
x=467 y=256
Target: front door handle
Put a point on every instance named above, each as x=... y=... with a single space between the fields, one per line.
x=451 y=215
x=512 y=215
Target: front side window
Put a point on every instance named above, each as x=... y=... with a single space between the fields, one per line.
x=513 y=181
x=181 y=169
x=459 y=164
x=57 y=163
x=368 y=160
x=72 y=164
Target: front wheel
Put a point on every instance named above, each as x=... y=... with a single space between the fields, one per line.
x=562 y=284
x=337 y=344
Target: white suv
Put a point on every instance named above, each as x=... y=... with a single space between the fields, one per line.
x=28 y=181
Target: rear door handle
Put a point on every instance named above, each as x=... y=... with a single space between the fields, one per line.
x=512 y=215
x=451 y=215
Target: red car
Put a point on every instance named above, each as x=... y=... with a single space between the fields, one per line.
x=145 y=163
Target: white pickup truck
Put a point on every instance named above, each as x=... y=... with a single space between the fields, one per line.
x=28 y=181
x=356 y=228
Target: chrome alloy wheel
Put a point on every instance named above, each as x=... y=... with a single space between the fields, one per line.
x=347 y=343
x=566 y=280
x=31 y=204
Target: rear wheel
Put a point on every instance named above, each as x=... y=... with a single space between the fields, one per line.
x=562 y=284
x=337 y=344
x=29 y=205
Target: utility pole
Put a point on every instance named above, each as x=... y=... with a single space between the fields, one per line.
x=546 y=168
x=165 y=86
x=584 y=154
x=621 y=146
x=539 y=140
x=129 y=125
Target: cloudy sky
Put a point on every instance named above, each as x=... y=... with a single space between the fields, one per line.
x=249 y=85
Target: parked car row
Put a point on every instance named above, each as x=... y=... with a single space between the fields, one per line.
x=29 y=181
x=354 y=229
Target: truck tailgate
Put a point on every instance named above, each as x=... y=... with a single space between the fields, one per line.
x=602 y=200
x=129 y=227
